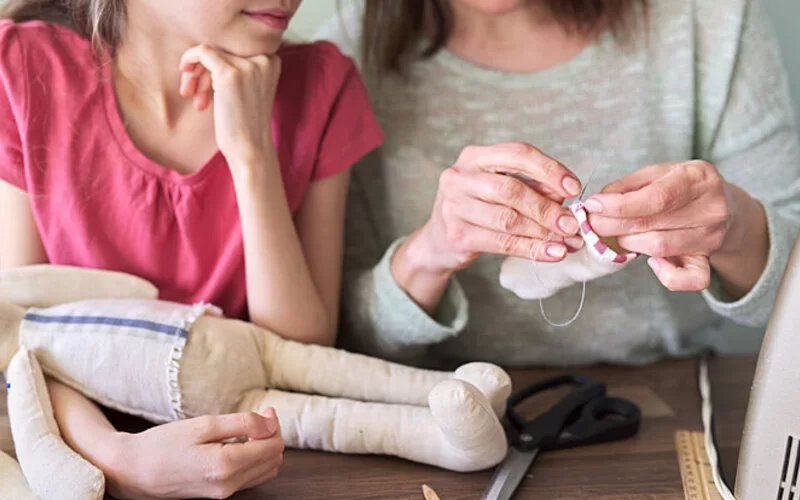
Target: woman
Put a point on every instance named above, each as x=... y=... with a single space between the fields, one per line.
x=622 y=94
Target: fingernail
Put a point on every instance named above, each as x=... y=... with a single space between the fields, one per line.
x=571 y=185
x=239 y=439
x=654 y=265
x=593 y=206
x=568 y=224
x=272 y=425
x=574 y=242
x=556 y=251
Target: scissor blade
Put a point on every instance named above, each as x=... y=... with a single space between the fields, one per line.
x=509 y=474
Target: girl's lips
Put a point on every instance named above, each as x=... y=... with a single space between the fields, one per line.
x=277 y=19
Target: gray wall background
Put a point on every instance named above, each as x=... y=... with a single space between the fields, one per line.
x=785 y=16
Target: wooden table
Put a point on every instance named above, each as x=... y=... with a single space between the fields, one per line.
x=644 y=467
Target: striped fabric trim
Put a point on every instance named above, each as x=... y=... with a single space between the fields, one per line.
x=593 y=242
x=109 y=321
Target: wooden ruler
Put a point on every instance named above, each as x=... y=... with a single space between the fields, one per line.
x=698 y=481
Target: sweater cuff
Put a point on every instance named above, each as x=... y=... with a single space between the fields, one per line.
x=410 y=323
x=755 y=307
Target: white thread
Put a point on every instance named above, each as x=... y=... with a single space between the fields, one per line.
x=536 y=253
x=541 y=300
x=711 y=449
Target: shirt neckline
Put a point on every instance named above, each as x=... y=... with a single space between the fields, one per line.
x=136 y=156
x=555 y=75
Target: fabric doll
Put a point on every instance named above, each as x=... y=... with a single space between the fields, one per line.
x=539 y=280
x=164 y=361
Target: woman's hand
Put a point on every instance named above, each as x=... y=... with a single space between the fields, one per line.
x=187 y=458
x=479 y=211
x=243 y=95
x=680 y=214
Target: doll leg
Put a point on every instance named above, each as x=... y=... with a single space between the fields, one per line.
x=459 y=431
x=333 y=372
x=490 y=380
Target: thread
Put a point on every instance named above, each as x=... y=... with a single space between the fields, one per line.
x=581 y=198
x=534 y=255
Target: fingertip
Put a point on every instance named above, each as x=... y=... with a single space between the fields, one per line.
x=593 y=205
x=574 y=243
x=655 y=264
x=571 y=185
x=261 y=427
x=271 y=426
x=556 y=251
x=182 y=90
x=271 y=420
x=568 y=224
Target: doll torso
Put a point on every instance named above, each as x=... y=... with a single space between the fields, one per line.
x=125 y=354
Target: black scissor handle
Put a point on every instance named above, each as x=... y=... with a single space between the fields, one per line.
x=603 y=420
x=547 y=427
x=584 y=416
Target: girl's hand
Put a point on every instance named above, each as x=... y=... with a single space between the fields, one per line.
x=479 y=211
x=187 y=459
x=678 y=213
x=243 y=94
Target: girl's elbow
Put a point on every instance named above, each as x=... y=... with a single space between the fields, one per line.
x=324 y=329
x=313 y=328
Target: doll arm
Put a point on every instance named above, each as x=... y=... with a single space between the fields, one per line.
x=12 y=482
x=46 y=285
x=53 y=470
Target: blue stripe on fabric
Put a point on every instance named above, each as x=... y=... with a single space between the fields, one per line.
x=105 y=320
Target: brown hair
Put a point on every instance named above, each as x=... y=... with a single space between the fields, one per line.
x=392 y=28
x=101 y=21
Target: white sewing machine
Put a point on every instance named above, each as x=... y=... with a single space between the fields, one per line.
x=769 y=458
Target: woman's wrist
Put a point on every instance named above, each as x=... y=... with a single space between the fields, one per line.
x=742 y=258
x=416 y=271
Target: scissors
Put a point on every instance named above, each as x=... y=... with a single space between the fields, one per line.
x=584 y=416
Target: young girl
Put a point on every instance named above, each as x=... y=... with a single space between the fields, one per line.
x=181 y=142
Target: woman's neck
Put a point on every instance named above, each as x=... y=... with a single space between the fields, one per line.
x=525 y=40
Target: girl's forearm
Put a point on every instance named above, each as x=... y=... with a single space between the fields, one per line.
x=88 y=432
x=281 y=294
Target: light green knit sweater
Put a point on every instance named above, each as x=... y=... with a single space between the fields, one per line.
x=708 y=83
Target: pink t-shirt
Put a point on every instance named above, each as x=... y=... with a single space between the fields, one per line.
x=100 y=203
